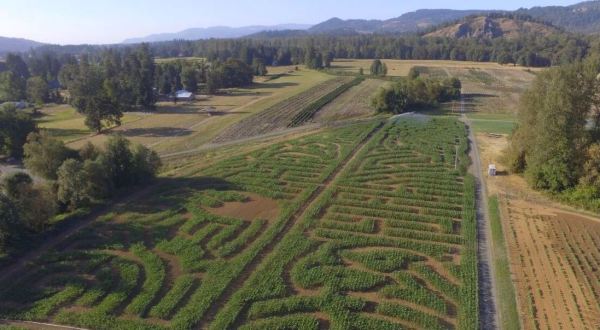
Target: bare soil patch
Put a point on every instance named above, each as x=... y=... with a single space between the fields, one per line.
x=256 y=207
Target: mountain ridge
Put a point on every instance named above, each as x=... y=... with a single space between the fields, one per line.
x=221 y=32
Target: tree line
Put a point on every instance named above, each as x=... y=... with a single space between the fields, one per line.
x=102 y=86
x=70 y=180
x=556 y=144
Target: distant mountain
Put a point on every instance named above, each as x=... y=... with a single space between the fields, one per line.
x=8 y=45
x=495 y=26
x=409 y=22
x=583 y=17
x=352 y=25
x=221 y=32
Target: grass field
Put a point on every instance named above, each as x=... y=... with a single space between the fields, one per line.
x=507 y=301
x=319 y=231
x=492 y=123
x=184 y=126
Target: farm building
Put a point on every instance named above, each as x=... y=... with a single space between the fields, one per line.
x=492 y=170
x=183 y=95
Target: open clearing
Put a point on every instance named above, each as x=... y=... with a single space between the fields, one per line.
x=357 y=227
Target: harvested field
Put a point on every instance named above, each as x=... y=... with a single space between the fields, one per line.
x=280 y=115
x=353 y=103
x=555 y=259
x=402 y=67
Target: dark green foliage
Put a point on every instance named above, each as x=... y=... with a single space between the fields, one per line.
x=554 y=141
x=44 y=154
x=416 y=93
x=378 y=68
x=15 y=126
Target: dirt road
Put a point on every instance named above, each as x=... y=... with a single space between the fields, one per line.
x=488 y=305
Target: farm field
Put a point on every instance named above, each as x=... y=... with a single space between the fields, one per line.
x=354 y=103
x=552 y=250
x=326 y=230
x=186 y=125
x=555 y=256
x=402 y=67
x=167 y=258
x=290 y=112
x=381 y=248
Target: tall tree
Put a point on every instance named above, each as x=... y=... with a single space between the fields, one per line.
x=37 y=90
x=95 y=98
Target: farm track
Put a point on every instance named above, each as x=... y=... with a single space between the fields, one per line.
x=488 y=305
x=252 y=266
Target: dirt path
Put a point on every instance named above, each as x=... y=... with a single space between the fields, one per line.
x=239 y=282
x=36 y=325
x=76 y=225
x=488 y=305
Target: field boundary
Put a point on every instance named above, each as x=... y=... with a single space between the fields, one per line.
x=488 y=303
x=508 y=304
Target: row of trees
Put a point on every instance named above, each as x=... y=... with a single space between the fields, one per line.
x=190 y=75
x=533 y=51
x=72 y=179
x=557 y=140
x=415 y=93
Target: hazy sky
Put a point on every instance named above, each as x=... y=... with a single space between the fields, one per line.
x=111 y=21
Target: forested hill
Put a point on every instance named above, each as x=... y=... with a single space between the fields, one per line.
x=494 y=26
x=8 y=45
x=409 y=22
x=583 y=17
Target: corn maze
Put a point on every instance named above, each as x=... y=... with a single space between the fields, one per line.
x=375 y=229
x=165 y=261
x=389 y=245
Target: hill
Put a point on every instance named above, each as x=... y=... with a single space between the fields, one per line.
x=8 y=45
x=493 y=27
x=221 y=32
x=583 y=17
x=408 y=22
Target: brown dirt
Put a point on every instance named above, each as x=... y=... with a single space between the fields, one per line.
x=256 y=207
x=554 y=250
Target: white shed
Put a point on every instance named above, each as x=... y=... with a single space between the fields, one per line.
x=492 y=170
x=183 y=95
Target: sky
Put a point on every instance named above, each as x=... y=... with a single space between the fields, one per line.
x=112 y=21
